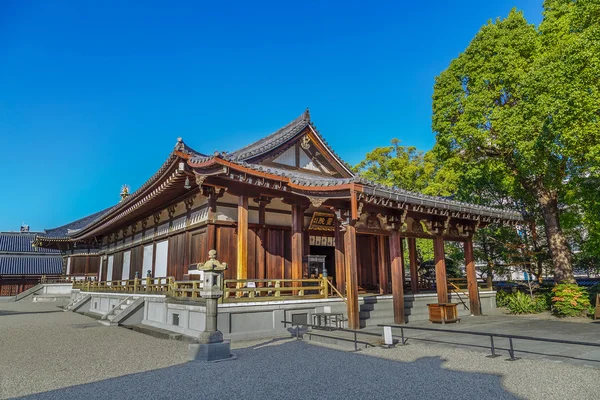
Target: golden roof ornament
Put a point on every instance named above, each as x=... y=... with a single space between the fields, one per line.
x=124 y=192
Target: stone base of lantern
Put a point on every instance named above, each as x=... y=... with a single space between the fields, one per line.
x=209 y=351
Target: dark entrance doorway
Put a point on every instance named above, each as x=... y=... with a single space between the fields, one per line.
x=329 y=253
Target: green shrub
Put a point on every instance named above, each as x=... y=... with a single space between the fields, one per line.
x=570 y=300
x=521 y=303
x=501 y=298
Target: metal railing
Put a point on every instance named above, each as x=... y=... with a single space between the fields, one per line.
x=355 y=333
x=511 y=349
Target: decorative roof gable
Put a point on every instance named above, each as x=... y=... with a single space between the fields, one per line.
x=296 y=145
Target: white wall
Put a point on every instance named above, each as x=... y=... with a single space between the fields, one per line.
x=162 y=249
x=109 y=269
x=147 y=260
x=126 y=264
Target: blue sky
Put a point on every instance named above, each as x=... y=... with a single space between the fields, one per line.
x=93 y=94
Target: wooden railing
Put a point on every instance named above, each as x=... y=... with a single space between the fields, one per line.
x=235 y=290
x=145 y=285
x=461 y=283
x=274 y=289
x=186 y=289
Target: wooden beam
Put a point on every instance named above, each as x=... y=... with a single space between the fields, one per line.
x=340 y=272
x=242 y=238
x=397 y=284
x=414 y=268
x=472 y=279
x=440 y=269
x=297 y=244
x=351 y=277
x=383 y=265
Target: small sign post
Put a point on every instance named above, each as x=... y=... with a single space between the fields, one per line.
x=387 y=336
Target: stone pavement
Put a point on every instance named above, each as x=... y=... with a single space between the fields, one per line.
x=540 y=326
x=50 y=354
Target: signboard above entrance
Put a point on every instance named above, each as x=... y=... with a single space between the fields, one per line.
x=321 y=221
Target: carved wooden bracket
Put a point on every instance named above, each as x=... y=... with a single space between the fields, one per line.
x=317 y=201
x=189 y=202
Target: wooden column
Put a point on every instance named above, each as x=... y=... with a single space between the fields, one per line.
x=351 y=277
x=242 y=238
x=475 y=305
x=261 y=257
x=340 y=272
x=397 y=283
x=414 y=268
x=440 y=269
x=297 y=244
x=211 y=229
x=383 y=266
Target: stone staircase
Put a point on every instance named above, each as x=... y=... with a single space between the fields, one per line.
x=374 y=311
x=121 y=311
x=77 y=301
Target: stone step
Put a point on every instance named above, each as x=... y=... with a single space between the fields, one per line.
x=161 y=333
x=107 y=322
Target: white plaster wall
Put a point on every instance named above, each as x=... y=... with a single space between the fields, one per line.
x=109 y=268
x=126 y=264
x=162 y=252
x=278 y=219
x=226 y=214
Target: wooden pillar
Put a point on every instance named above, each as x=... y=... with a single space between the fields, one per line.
x=242 y=238
x=351 y=277
x=414 y=268
x=474 y=302
x=261 y=257
x=340 y=272
x=440 y=269
x=383 y=266
x=397 y=283
x=211 y=229
x=297 y=244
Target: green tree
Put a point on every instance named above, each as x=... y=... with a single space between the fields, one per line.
x=408 y=168
x=523 y=101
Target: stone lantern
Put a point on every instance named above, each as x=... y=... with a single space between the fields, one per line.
x=211 y=346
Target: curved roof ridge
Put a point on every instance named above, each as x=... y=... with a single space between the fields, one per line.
x=275 y=139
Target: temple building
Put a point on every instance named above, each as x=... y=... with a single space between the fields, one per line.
x=22 y=265
x=273 y=210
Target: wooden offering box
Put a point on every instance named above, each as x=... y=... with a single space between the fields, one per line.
x=443 y=312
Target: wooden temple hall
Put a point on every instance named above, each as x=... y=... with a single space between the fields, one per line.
x=285 y=213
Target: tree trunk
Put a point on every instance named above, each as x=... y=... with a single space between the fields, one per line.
x=559 y=248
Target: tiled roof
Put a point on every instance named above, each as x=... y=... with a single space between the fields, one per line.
x=26 y=265
x=72 y=227
x=20 y=242
x=370 y=187
x=272 y=141
x=298 y=177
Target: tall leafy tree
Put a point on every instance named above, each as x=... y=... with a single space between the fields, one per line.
x=408 y=168
x=524 y=102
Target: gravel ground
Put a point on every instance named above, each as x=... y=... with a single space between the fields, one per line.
x=59 y=355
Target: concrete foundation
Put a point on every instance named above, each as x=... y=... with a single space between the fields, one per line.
x=263 y=319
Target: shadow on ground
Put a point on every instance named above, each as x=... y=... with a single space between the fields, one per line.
x=295 y=369
x=8 y=312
